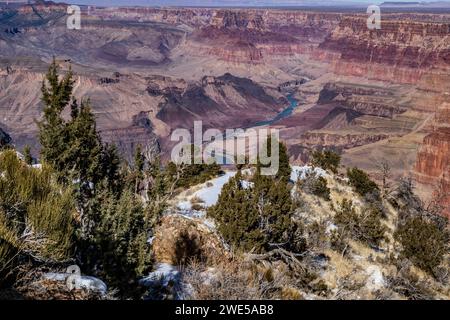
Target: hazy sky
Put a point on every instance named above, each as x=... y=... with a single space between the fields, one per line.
x=220 y=2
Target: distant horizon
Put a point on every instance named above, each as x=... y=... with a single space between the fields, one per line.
x=236 y=3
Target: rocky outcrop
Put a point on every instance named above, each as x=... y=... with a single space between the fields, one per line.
x=402 y=51
x=375 y=101
x=339 y=141
x=220 y=102
x=433 y=160
x=178 y=239
x=127 y=139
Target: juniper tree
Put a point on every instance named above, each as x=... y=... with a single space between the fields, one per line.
x=112 y=224
x=27 y=155
x=237 y=216
x=115 y=246
x=139 y=163
x=83 y=157
x=284 y=168
x=423 y=242
x=327 y=160
x=258 y=217
x=111 y=169
x=53 y=135
x=362 y=183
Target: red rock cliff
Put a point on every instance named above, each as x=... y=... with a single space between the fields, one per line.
x=433 y=160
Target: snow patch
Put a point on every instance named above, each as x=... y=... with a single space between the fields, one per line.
x=209 y=193
x=300 y=172
x=79 y=282
x=375 y=281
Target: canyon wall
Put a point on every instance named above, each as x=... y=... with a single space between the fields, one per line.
x=433 y=160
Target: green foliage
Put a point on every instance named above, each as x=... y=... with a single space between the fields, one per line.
x=36 y=214
x=256 y=218
x=315 y=185
x=284 y=168
x=27 y=155
x=327 y=160
x=193 y=174
x=237 y=216
x=111 y=168
x=284 y=171
x=365 y=226
x=361 y=182
x=423 y=242
x=115 y=247
x=113 y=226
x=53 y=135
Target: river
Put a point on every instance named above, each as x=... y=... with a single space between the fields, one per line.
x=293 y=103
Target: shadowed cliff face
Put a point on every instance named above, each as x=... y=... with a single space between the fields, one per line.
x=4 y=138
x=220 y=102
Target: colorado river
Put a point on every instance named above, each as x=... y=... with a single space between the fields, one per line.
x=293 y=103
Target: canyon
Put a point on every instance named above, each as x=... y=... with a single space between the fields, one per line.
x=372 y=95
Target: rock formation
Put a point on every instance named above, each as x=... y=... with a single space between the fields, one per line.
x=433 y=160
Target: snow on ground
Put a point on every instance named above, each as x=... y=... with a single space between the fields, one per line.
x=299 y=172
x=375 y=280
x=79 y=282
x=209 y=194
x=163 y=272
x=210 y=191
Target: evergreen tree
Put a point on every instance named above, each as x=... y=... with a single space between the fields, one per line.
x=327 y=160
x=111 y=168
x=112 y=224
x=284 y=168
x=27 y=155
x=423 y=242
x=115 y=245
x=85 y=149
x=274 y=205
x=237 y=216
x=284 y=172
x=361 y=182
x=257 y=217
x=53 y=136
x=139 y=163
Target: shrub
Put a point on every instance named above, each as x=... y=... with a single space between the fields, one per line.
x=327 y=160
x=115 y=247
x=423 y=242
x=194 y=174
x=361 y=182
x=365 y=226
x=256 y=218
x=36 y=214
x=315 y=185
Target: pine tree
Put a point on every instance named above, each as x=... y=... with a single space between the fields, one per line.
x=284 y=168
x=115 y=246
x=237 y=216
x=284 y=171
x=53 y=135
x=327 y=160
x=27 y=155
x=139 y=163
x=111 y=168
